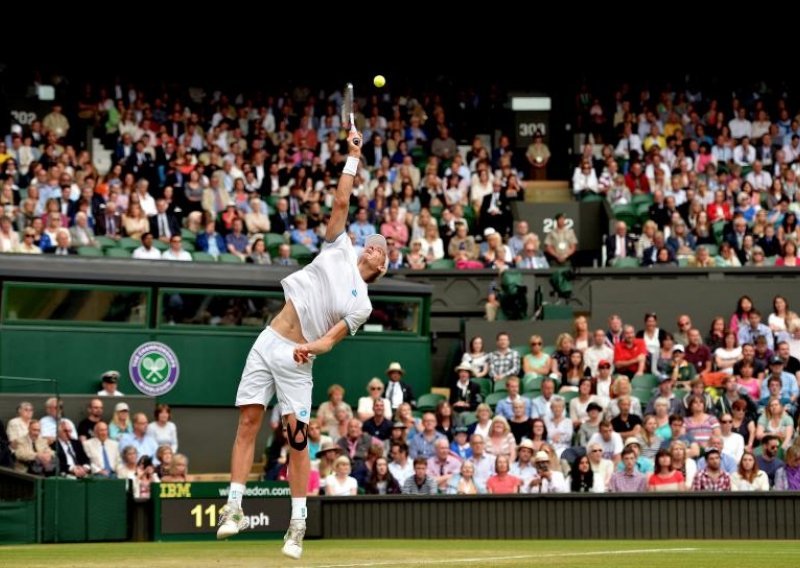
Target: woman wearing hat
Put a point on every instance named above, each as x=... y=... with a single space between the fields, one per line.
x=121 y=422
x=326 y=456
x=464 y=395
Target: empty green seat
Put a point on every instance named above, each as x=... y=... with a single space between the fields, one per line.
x=118 y=253
x=442 y=264
x=200 y=256
x=129 y=243
x=230 y=259
x=105 y=242
x=89 y=251
x=428 y=401
x=495 y=397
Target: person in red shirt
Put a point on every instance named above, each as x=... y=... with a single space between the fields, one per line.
x=502 y=481
x=630 y=354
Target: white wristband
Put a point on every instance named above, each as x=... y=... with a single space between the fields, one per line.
x=351 y=166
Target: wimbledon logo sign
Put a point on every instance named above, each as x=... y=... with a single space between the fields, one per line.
x=154 y=368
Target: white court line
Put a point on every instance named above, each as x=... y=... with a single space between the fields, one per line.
x=516 y=557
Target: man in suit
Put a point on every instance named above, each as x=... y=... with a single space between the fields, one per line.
x=109 y=222
x=62 y=247
x=620 y=244
x=465 y=394
x=374 y=151
x=737 y=235
x=72 y=460
x=124 y=150
x=397 y=391
x=81 y=233
x=32 y=452
x=163 y=224
x=496 y=211
x=103 y=452
x=280 y=221
x=658 y=211
x=650 y=254
x=284 y=257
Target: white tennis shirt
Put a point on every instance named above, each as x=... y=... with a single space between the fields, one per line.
x=329 y=290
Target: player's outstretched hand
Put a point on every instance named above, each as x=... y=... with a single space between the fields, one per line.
x=302 y=354
x=354 y=149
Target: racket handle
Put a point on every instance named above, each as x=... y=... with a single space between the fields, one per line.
x=356 y=141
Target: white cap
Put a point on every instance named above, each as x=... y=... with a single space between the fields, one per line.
x=541 y=457
x=489 y=231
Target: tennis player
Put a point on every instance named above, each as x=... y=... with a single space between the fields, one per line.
x=325 y=301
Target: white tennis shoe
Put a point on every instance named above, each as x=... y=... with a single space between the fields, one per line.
x=293 y=541
x=231 y=521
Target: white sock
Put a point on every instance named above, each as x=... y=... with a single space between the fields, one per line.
x=299 y=511
x=235 y=494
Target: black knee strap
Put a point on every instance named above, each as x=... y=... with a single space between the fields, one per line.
x=299 y=438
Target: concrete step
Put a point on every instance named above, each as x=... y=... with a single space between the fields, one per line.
x=548 y=191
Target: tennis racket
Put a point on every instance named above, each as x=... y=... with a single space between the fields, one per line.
x=348 y=115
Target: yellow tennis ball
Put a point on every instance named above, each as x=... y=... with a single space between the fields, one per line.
x=379 y=81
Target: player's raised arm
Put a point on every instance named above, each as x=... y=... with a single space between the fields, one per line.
x=341 y=199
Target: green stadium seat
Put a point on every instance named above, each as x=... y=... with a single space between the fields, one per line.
x=467 y=418
x=118 y=253
x=641 y=199
x=485 y=385
x=718 y=229
x=301 y=254
x=522 y=350
x=428 y=401
x=187 y=235
x=643 y=212
x=160 y=245
x=557 y=312
x=531 y=382
x=105 y=242
x=713 y=250
x=590 y=197
x=200 y=256
x=89 y=251
x=627 y=214
x=188 y=246
x=644 y=395
x=568 y=396
x=271 y=239
x=627 y=262
x=442 y=264
x=499 y=385
x=229 y=258
x=129 y=244
x=549 y=349
x=495 y=397
x=647 y=381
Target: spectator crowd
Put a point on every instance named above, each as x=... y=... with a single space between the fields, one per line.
x=111 y=446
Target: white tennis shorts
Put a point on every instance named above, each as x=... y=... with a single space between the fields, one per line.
x=270 y=370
